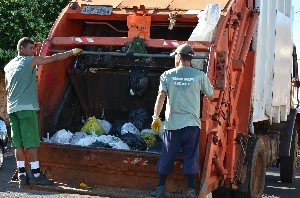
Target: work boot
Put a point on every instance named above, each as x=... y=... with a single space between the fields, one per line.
x=190 y=193
x=159 y=192
x=23 y=180
x=40 y=180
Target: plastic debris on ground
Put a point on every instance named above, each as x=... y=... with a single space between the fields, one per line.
x=92 y=125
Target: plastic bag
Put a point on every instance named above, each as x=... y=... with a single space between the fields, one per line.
x=134 y=142
x=140 y=118
x=116 y=127
x=156 y=148
x=205 y=29
x=100 y=145
x=61 y=137
x=138 y=82
x=121 y=145
x=77 y=136
x=148 y=131
x=92 y=125
x=129 y=128
x=86 y=141
x=105 y=125
x=149 y=138
x=108 y=139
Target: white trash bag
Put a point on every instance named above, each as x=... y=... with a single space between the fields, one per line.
x=86 y=141
x=61 y=137
x=129 y=128
x=108 y=139
x=205 y=29
x=105 y=125
x=76 y=137
x=121 y=145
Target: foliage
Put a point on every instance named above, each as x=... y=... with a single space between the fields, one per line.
x=20 y=18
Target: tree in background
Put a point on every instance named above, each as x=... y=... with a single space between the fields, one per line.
x=31 y=18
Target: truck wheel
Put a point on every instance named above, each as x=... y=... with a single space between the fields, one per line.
x=254 y=187
x=1 y=156
x=288 y=164
x=256 y=171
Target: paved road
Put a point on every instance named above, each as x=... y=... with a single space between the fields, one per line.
x=273 y=188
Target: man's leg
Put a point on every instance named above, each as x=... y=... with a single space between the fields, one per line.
x=165 y=165
x=190 y=151
x=31 y=141
x=34 y=161
x=17 y=142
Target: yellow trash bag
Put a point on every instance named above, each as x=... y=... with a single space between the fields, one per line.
x=92 y=125
x=149 y=138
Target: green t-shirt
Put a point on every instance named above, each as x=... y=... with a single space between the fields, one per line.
x=21 y=85
x=183 y=86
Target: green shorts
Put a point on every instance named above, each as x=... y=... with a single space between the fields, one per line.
x=24 y=129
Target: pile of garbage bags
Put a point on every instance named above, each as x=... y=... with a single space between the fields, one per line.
x=128 y=134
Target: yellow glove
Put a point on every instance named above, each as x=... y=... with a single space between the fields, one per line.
x=156 y=124
x=76 y=51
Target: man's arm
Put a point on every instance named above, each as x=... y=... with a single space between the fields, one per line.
x=159 y=103
x=38 y=60
x=211 y=97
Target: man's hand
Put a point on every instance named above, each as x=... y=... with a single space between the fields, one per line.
x=156 y=124
x=76 y=51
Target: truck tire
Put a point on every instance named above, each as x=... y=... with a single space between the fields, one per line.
x=288 y=164
x=256 y=171
x=254 y=186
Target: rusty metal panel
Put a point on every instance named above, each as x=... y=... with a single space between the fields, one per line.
x=107 y=167
x=107 y=92
x=196 y=4
x=154 y=4
x=113 y=3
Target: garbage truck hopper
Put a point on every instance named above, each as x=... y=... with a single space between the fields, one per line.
x=126 y=47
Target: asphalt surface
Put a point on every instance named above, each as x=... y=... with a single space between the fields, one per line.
x=273 y=187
